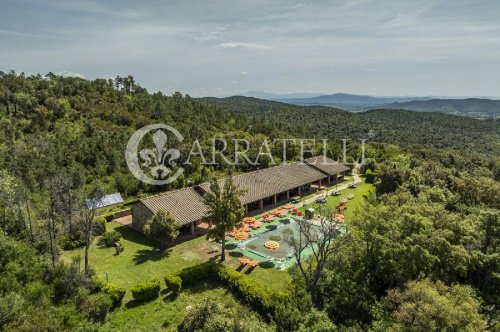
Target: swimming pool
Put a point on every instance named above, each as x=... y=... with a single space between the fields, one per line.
x=256 y=243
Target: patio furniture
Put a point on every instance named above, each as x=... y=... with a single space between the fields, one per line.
x=253 y=263
x=268 y=217
x=243 y=260
x=337 y=217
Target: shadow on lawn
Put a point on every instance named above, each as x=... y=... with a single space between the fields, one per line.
x=132 y=235
x=144 y=255
x=135 y=303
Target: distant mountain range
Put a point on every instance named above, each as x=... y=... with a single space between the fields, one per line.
x=481 y=108
x=278 y=96
x=350 y=102
x=474 y=107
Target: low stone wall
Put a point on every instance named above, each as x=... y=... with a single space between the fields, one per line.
x=122 y=213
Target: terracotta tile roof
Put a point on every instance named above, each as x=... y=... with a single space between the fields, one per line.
x=326 y=165
x=273 y=180
x=185 y=205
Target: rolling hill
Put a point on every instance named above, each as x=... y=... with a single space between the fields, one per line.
x=401 y=127
x=472 y=107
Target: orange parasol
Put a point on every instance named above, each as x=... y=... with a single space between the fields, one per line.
x=276 y=212
x=241 y=236
x=249 y=220
x=271 y=245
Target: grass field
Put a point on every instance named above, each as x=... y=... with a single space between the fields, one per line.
x=361 y=190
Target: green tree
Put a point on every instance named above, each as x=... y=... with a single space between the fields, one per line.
x=324 y=240
x=224 y=209
x=427 y=306
x=162 y=225
x=87 y=218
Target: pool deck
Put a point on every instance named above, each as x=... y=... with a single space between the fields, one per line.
x=282 y=263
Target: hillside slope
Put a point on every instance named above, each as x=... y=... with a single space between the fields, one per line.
x=472 y=107
x=399 y=127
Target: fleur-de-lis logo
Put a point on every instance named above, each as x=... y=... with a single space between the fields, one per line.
x=158 y=159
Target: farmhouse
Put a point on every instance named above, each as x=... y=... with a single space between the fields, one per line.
x=262 y=189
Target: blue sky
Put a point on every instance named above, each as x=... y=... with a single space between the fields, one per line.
x=217 y=48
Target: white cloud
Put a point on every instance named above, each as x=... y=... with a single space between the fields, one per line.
x=243 y=45
x=218 y=34
x=244 y=73
x=67 y=73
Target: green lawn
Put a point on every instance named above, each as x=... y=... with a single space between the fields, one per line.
x=142 y=260
x=352 y=206
x=166 y=313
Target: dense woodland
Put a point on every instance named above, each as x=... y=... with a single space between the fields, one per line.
x=399 y=127
x=423 y=252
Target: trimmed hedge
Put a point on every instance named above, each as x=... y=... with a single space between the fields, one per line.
x=251 y=291
x=108 y=216
x=115 y=293
x=261 y=298
x=173 y=283
x=193 y=274
x=146 y=290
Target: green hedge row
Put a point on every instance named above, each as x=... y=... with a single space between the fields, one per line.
x=115 y=293
x=146 y=290
x=173 y=283
x=251 y=291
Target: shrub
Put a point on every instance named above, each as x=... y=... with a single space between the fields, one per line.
x=115 y=293
x=173 y=283
x=275 y=238
x=97 y=306
x=192 y=274
x=250 y=290
x=119 y=247
x=108 y=216
x=99 y=226
x=109 y=239
x=371 y=176
x=146 y=290
x=71 y=241
x=95 y=284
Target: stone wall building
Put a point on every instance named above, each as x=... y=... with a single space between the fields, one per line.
x=261 y=189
